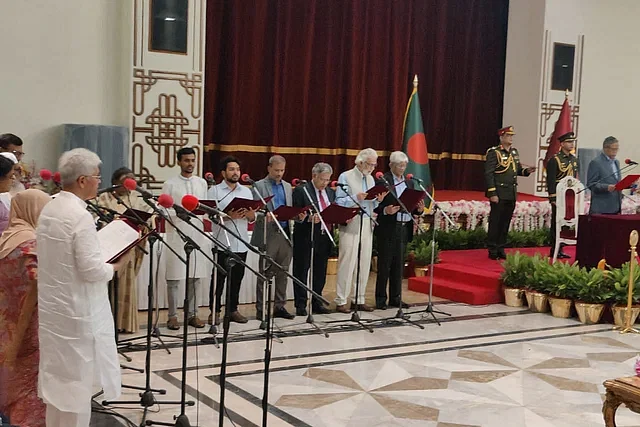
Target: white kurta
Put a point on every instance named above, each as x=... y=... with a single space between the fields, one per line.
x=77 y=339
x=178 y=187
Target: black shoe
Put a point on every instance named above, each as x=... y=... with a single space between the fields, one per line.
x=283 y=313
x=320 y=310
x=493 y=256
x=502 y=255
x=395 y=304
x=382 y=306
x=301 y=311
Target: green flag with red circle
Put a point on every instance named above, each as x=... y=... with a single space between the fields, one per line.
x=414 y=142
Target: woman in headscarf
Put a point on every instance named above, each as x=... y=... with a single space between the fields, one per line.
x=119 y=201
x=7 y=165
x=19 y=354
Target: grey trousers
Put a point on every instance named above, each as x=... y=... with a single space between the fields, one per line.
x=172 y=293
x=281 y=252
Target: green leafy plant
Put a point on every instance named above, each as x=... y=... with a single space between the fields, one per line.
x=336 y=238
x=544 y=276
x=422 y=253
x=619 y=279
x=517 y=268
x=594 y=287
x=568 y=280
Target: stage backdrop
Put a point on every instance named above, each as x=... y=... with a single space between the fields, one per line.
x=318 y=80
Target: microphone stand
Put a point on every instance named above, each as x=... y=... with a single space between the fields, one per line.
x=429 y=309
x=400 y=315
x=147 y=398
x=324 y=227
x=355 y=316
x=608 y=176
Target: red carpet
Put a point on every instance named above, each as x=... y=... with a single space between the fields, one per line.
x=470 y=277
x=454 y=196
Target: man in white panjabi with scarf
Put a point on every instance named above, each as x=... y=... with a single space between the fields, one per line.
x=78 y=354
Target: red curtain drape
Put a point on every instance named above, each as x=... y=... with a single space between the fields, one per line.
x=318 y=80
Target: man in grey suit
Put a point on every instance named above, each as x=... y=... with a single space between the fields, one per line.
x=602 y=176
x=277 y=247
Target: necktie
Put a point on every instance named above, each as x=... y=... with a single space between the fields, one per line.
x=323 y=203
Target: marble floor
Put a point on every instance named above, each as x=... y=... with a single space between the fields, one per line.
x=482 y=366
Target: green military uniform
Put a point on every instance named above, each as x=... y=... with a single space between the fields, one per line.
x=559 y=167
x=501 y=169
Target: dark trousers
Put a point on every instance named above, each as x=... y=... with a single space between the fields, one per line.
x=499 y=221
x=302 y=263
x=392 y=246
x=236 y=274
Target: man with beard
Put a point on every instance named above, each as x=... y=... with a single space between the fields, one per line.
x=177 y=188
x=357 y=181
x=223 y=194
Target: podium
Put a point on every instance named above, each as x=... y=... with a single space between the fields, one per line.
x=605 y=237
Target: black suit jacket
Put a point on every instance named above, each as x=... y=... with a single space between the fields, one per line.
x=387 y=223
x=302 y=230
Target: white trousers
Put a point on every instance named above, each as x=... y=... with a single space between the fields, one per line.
x=57 y=418
x=348 y=259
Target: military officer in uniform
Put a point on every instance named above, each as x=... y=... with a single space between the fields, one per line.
x=561 y=165
x=501 y=168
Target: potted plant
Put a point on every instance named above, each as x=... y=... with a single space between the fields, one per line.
x=422 y=257
x=517 y=267
x=619 y=278
x=332 y=262
x=538 y=283
x=564 y=289
x=594 y=291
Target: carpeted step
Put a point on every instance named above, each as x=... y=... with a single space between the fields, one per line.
x=457 y=291
x=466 y=275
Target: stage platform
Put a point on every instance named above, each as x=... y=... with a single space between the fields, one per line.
x=470 y=277
x=457 y=195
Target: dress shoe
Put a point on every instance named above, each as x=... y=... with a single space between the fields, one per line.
x=402 y=304
x=173 y=323
x=342 y=308
x=237 y=317
x=321 y=310
x=502 y=255
x=196 y=322
x=282 y=313
x=382 y=306
x=301 y=311
x=365 y=307
x=494 y=256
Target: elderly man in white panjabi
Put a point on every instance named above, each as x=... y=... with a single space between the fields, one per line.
x=78 y=352
x=358 y=180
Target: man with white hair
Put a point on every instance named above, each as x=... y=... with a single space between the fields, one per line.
x=394 y=231
x=78 y=352
x=356 y=181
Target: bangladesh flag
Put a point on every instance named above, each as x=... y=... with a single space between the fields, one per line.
x=414 y=141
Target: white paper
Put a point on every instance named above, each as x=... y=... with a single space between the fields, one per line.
x=115 y=237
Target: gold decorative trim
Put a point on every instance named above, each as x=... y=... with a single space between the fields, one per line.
x=492 y=189
x=327 y=151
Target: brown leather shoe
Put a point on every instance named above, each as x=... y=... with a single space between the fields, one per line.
x=173 y=323
x=196 y=322
x=237 y=317
x=364 y=307
x=342 y=308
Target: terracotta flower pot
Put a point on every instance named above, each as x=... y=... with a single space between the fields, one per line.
x=538 y=302
x=513 y=297
x=620 y=314
x=589 y=314
x=332 y=266
x=560 y=307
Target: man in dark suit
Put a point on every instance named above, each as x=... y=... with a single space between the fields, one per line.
x=277 y=246
x=602 y=176
x=394 y=231
x=501 y=170
x=322 y=196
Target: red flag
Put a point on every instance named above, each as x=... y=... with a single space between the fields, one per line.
x=563 y=125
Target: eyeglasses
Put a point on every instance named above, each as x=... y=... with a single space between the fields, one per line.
x=371 y=165
x=98 y=177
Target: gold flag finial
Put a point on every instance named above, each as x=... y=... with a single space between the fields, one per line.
x=415 y=81
x=566 y=94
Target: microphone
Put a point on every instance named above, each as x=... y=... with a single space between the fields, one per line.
x=379 y=175
x=131 y=185
x=630 y=162
x=191 y=203
x=166 y=201
x=295 y=182
x=246 y=178
x=209 y=178
x=46 y=174
x=57 y=178
x=108 y=189
x=335 y=184
x=410 y=176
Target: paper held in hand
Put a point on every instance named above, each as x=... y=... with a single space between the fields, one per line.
x=116 y=238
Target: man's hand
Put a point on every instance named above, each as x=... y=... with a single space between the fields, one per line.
x=531 y=169
x=380 y=197
x=553 y=203
x=494 y=199
x=302 y=216
x=315 y=218
x=270 y=217
x=420 y=206
x=120 y=263
x=237 y=214
x=250 y=214
x=611 y=188
x=391 y=210
x=361 y=196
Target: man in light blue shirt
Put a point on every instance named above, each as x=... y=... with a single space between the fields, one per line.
x=223 y=194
